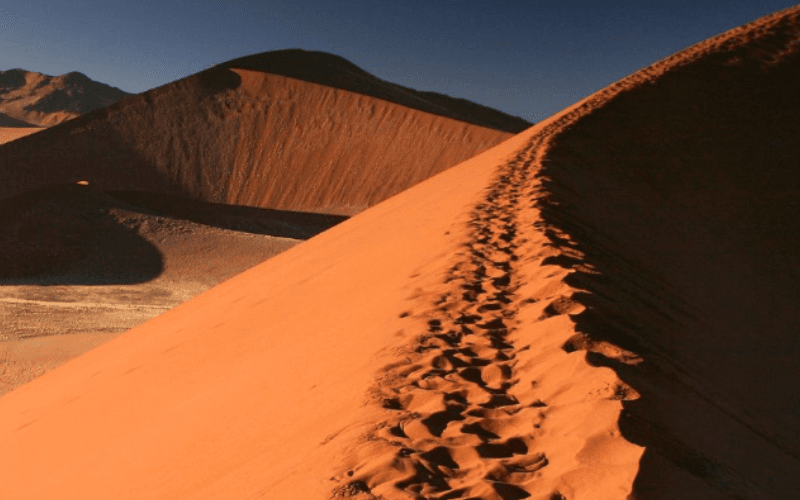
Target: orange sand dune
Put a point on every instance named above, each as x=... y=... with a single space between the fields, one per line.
x=245 y=133
x=78 y=267
x=601 y=307
x=8 y=134
x=233 y=395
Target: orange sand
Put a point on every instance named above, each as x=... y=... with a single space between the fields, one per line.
x=231 y=394
x=246 y=134
x=8 y=134
x=600 y=307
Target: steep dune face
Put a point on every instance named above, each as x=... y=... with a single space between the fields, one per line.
x=37 y=100
x=250 y=137
x=682 y=191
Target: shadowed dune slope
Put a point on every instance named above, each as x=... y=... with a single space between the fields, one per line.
x=281 y=223
x=682 y=191
x=47 y=231
x=34 y=99
x=74 y=234
x=251 y=137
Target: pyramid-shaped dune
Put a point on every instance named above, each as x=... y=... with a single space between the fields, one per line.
x=290 y=130
x=601 y=307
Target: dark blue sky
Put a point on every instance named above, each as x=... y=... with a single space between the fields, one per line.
x=528 y=58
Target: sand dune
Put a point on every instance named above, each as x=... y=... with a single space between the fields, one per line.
x=8 y=134
x=600 y=307
x=246 y=367
x=334 y=71
x=67 y=240
x=245 y=136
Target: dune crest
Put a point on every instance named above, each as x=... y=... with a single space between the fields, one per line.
x=486 y=403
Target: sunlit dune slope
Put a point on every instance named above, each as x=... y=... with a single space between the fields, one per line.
x=600 y=307
x=266 y=385
x=36 y=100
x=77 y=266
x=8 y=134
x=234 y=134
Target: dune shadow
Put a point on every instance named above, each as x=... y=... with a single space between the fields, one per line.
x=280 y=223
x=682 y=195
x=7 y=121
x=122 y=146
x=56 y=232
x=68 y=235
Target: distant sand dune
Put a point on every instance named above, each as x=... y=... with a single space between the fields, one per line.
x=253 y=137
x=8 y=134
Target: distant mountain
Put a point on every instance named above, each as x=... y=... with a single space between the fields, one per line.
x=31 y=99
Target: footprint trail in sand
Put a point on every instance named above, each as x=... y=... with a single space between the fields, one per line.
x=456 y=421
x=464 y=421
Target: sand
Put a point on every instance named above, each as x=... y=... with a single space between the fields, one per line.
x=129 y=278
x=246 y=134
x=349 y=301
x=86 y=266
x=8 y=134
x=134 y=278
x=600 y=307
